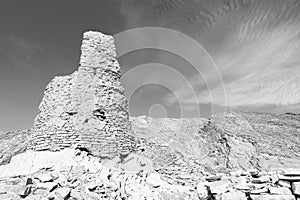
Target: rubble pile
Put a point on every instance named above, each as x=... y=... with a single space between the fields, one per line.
x=83 y=176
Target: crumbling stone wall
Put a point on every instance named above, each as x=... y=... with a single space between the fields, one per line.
x=87 y=108
x=53 y=127
x=99 y=98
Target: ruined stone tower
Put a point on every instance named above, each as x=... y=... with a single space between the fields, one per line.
x=87 y=108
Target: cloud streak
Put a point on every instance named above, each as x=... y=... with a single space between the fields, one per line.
x=255 y=44
x=18 y=52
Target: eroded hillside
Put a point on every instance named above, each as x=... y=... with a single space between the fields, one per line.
x=236 y=140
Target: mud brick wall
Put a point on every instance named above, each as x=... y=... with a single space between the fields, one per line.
x=87 y=108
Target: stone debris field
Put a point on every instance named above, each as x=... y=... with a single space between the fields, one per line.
x=74 y=174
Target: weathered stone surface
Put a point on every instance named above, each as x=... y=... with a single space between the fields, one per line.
x=72 y=179
x=262 y=179
x=53 y=128
x=272 y=197
x=87 y=108
x=24 y=191
x=284 y=183
x=289 y=178
x=213 y=178
x=210 y=136
x=202 y=190
x=154 y=180
x=234 y=196
x=13 y=143
x=75 y=194
x=233 y=141
x=242 y=187
x=49 y=186
x=44 y=177
x=289 y=172
x=296 y=188
x=280 y=190
x=259 y=191
x=30 y=162
x=63 y=192
x=219 y=187
x=253 y=172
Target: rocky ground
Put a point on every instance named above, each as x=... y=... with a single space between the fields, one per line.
x=237 y=140
x=73 y=174
x=237 y=156
x=13 y=143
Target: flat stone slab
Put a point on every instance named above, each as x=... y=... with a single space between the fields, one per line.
x=280 y=190
x=31 y=161
x=234 y=196
x=296 y=188
x=289 y=178
x=292 y=172
x=272 y=197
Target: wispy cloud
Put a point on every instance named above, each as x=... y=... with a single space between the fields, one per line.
x=255 y=44
x=18 y=52
x=256 y=73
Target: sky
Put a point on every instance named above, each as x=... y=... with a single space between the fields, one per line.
x=199 y=58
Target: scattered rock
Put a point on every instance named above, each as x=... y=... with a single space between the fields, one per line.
x=202 y=190
x=51 y=196
x=73 y=181
x=296 y=188
x=49 y=186
x=242 y=187
x=234 y=196
x=280 y=190
x=92 y=186
x=219 y=187
x=262 y=179
x=291 y=173
x=104 y=174
x=63 y=192
x=274 y=178
x=213 y=178
x=254 y=172
x=29 y=181
x=44 y=177
x=284 y=184
x=289 y=178
x=75 y=194
x=259 y=191
x=24 y=191
x=154 y=180
x=272 y=197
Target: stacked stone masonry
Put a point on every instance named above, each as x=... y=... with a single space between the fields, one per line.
x=87 y=108
x=53 y=128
